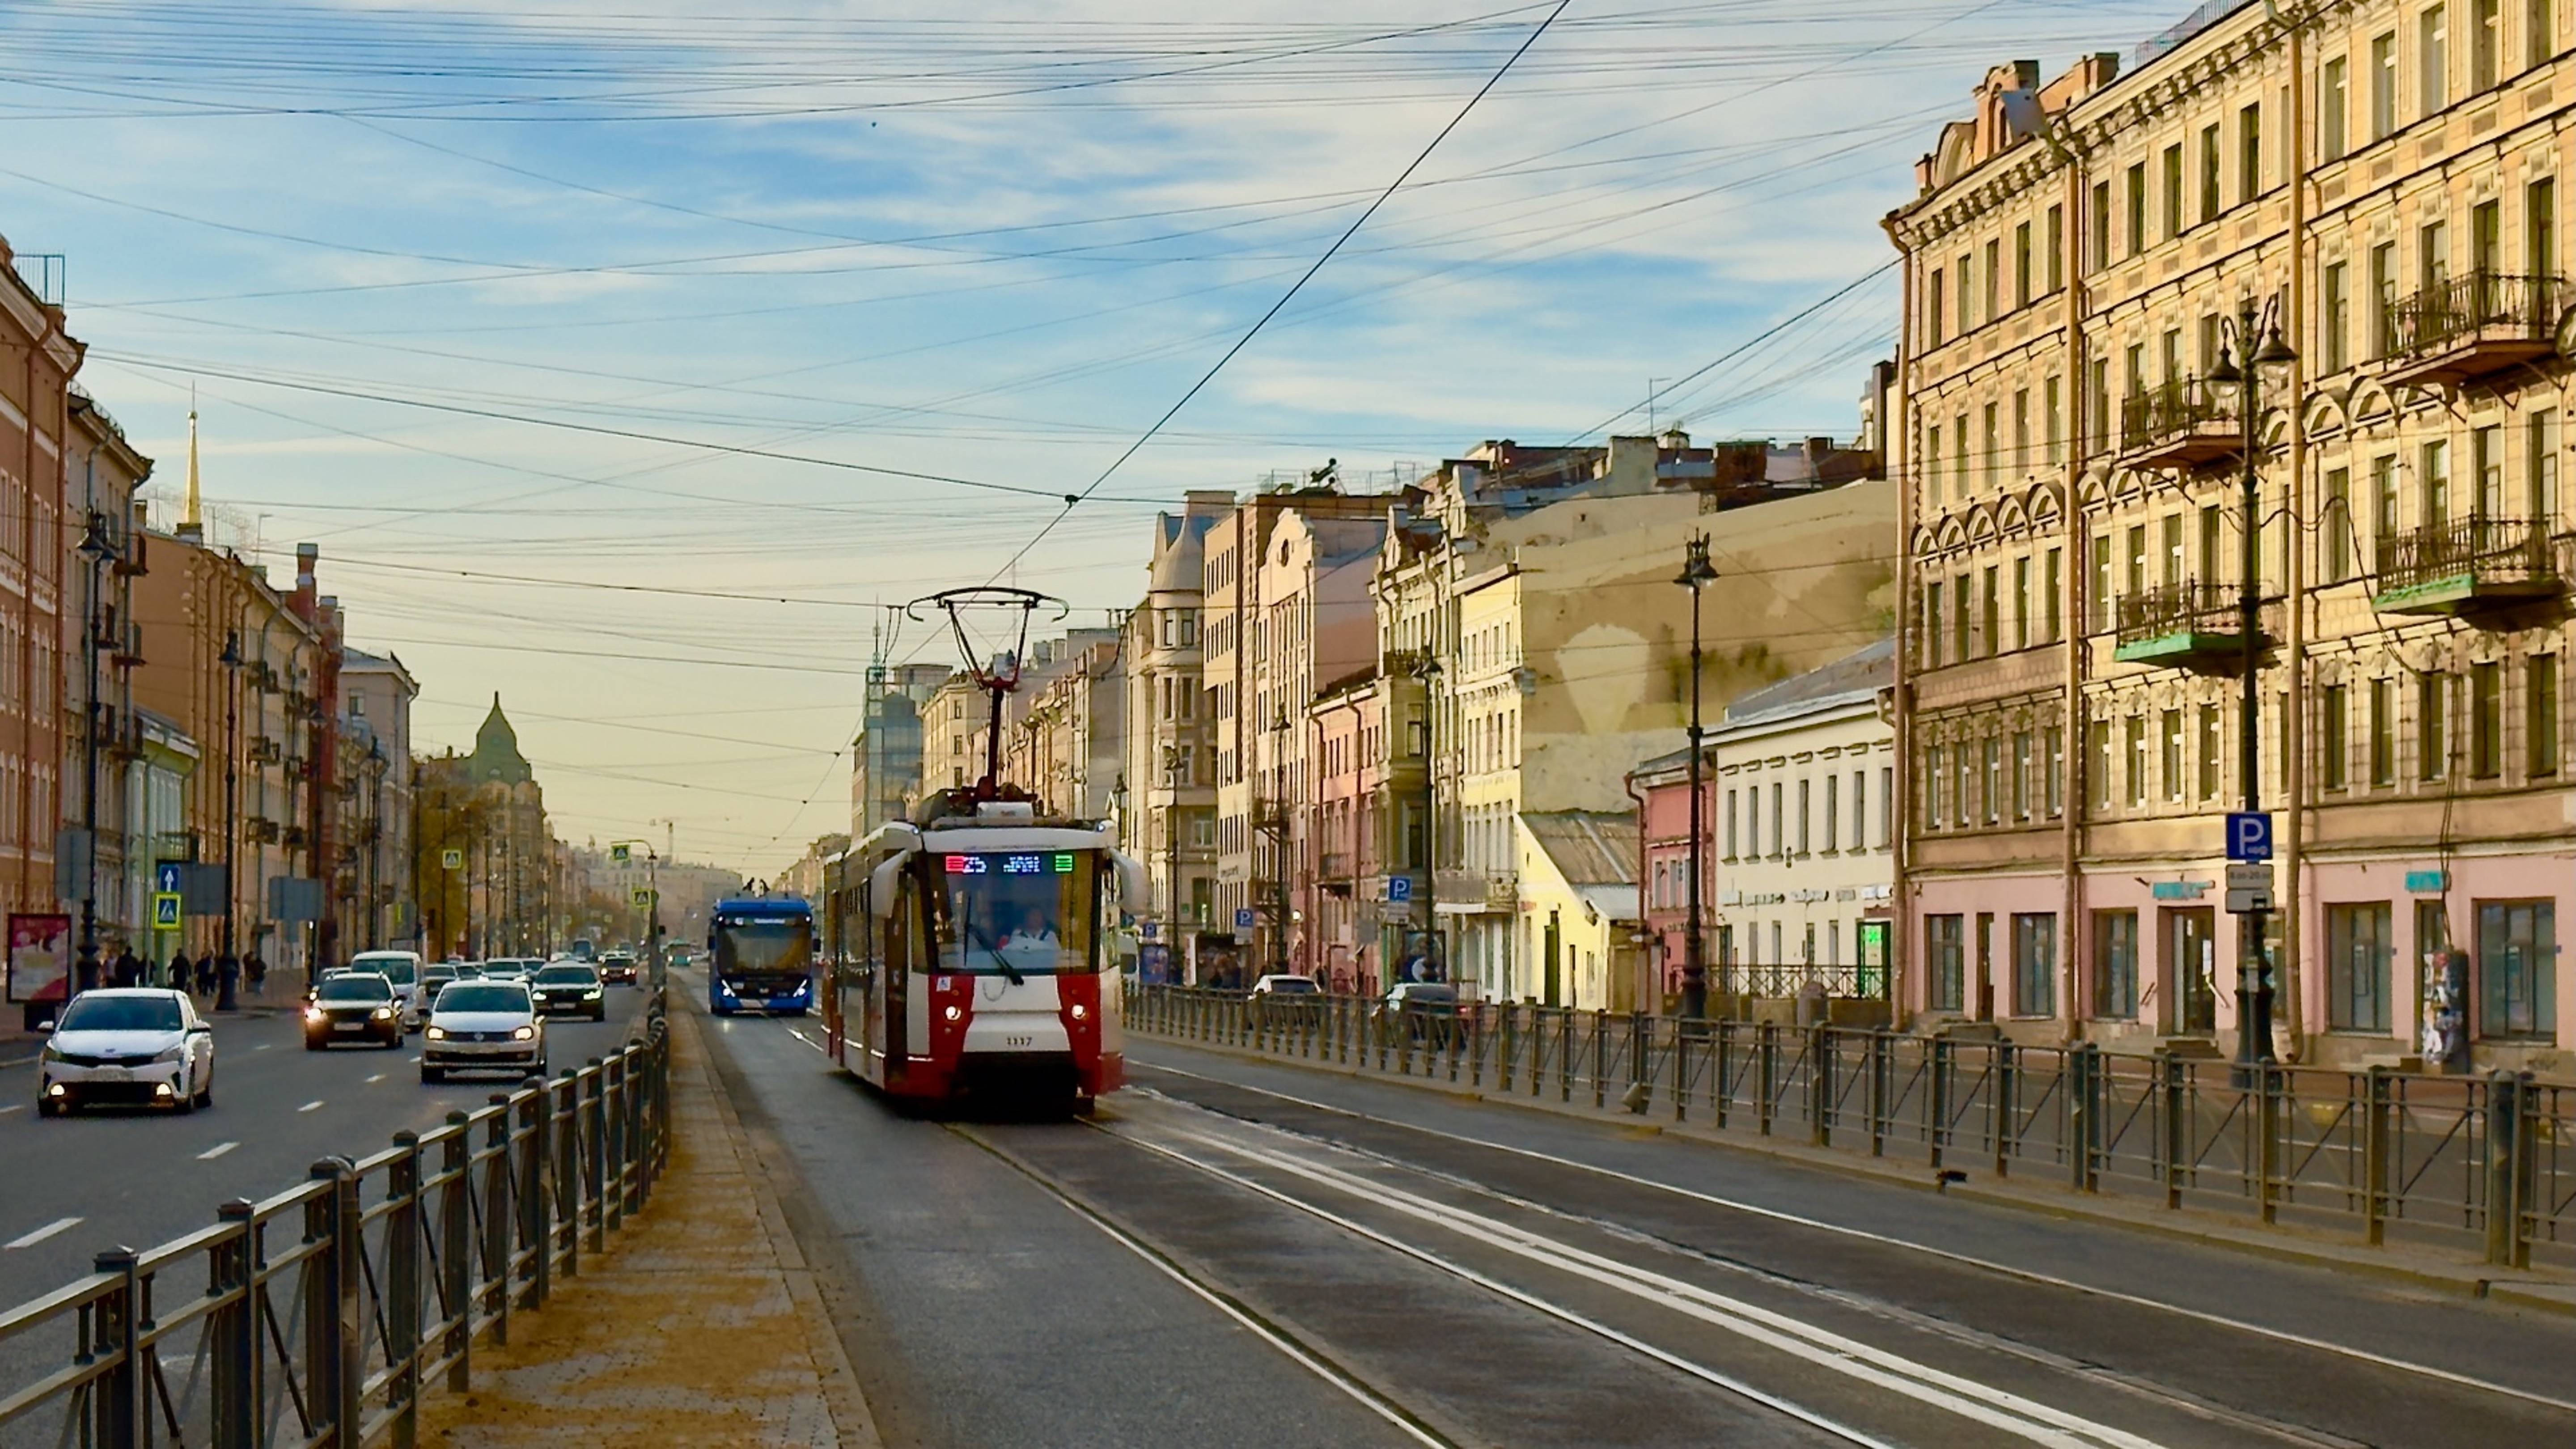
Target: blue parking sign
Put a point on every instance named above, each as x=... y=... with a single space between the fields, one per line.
x=2249 y=835
x=1399 y=888
x=1243 y=918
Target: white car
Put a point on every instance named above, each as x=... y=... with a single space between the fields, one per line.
x=483 y=1026
x=139 y=1046
x=401 y=970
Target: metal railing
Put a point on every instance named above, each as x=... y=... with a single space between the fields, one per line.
x=322 y=1315
x=1779 y=980
x=2184 y=407
x=2487 y=1162
x=2474 y=307
x=2484 y=550
x=2190 y=607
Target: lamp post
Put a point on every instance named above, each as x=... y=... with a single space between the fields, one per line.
x=95 y=550
x=1279 y=839
x=376 y=764
x=1428 y=671
x=652 y=902
x=231 y=660
x=1172 y=848
x=1696 y=572
x=2253 y=973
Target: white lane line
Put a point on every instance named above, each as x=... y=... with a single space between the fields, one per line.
x=1967 y=1260
x=263 y=1046
x=378 y=1077
x=809 y=1041
x=415 y=1061
x=218 y=1150
x=39 y=1235
x=1783 y=1333
x=309 y=1106
x=12 y=1107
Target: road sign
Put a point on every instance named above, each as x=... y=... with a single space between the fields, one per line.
x=2249 y=835
x=620 y=854
x=451 y=860
x=170 y=877
x=165 y=910
x=1399 y=888
x=2249 y=889
x=1243 y=918
x=643 y=895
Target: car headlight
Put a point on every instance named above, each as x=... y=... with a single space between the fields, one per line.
x=171 y=1054
x=591 y=995
x=313 y=1013
x=384 y=1013
x=436 y=1033
x=525 y=1033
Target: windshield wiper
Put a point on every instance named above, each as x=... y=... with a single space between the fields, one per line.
x=974 y=937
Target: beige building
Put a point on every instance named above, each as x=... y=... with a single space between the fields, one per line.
x=2382 y=180
x=1170 y=765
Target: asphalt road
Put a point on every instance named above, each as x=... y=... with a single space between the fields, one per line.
x=71 y=1186
x=1239 y=1253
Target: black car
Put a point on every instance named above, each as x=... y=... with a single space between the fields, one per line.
x=618 y=968
x=352 y=1006
x=571 y=988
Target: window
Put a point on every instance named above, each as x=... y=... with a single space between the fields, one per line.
x=1779 y=821
x=2432 y=751
x=2332 y=127
x=1993 y=440
x=2540 y=228
x=1992 y=278
x=2175 y=776
x=1932 y=623
x=2021 y=602
x=2021 y=431
x=2383 y=504
x=2213 y=756
x=2173 y=192
x=1860 y=810
x=2021 y=775
x=2053 y=740
x=2333 y=746
x=2034 y=948
x=2433 y=49
x=1992 y=787
x=2173 y=548
x=1933 y=761
x=1961 y=600
x=2486 y=459
x=2138 y=764
x=1932 y=461
x=1943 y=940
x=2021 y=265
x=1967 y=318
x=1833 y=812
x=2098 y=255
x=2249 y=152
x=2540 y=715
x=1806 y=816
x=2054 y=248
x=1990 y=633
x=2334 y=321
x=2137 y=579
x=1959 y=456
x=1730 y=825
x=2539 y=31
x=2359 y=948
x=2049 y=412
x=1886 y=805
x=2486 y=42
x=2137 y=208
x=2383 y=732
x=2540 y=469
x=1933 y=315
x=2437 y=483
x=2049 y=583
x=2383 y=299
x=2098 y=402
x=2433 y=255
x=2336 y=525
x=2486 y=720
x=2383 y=85
x=2115 y=965
x=2101 y=600
x=2211 y=173
x=2486 y=247
x=1961 y=810
x=2517 y=961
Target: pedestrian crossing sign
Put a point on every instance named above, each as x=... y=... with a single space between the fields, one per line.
x=165 y=910
x=643 y=895
x=620 y=854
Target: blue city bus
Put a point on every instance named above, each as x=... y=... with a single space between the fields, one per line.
x=763 y=957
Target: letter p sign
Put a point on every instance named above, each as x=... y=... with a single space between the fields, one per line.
x=2249 y=835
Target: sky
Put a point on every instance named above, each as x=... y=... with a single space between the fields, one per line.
x=639 y=361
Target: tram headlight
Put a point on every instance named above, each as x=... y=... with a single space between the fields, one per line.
x=1079 y=1012
x=953 y=1013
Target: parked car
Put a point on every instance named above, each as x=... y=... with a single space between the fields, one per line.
x=143 y=1046
x=1424 y=1010
x=401 y=970
x=352 y=1006
x=618 y=968
x=1282 y=998
x=483 y=1026
x=571 y=987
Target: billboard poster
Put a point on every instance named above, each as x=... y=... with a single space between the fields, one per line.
x=39 y=957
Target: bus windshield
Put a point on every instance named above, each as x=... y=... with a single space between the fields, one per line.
x=764 y=946
x=1014 y=914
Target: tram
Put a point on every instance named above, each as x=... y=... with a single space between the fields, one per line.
x=970 y=953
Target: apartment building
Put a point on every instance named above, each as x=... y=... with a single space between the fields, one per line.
x=1170 y=764
x=2376 y=181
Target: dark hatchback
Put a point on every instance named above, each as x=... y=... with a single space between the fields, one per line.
x=618 y=968
x=354 y=1006
x=569 y=988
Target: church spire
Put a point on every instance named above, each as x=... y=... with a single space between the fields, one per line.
x=192 y=510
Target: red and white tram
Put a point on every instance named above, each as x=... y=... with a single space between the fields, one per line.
x=971 y=956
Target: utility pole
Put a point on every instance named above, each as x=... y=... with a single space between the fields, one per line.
x=2253 y=974
x=1696 y=572
x=95 y=550
x=231 y=660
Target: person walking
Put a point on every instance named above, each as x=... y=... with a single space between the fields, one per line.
x=255 y=968
x=206 y=974
x=182 y=975
x=129 y=968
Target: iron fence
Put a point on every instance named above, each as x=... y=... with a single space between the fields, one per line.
x=2481 y=304
x=328 y=1310
x=2483 y=549
x=2487 y=1162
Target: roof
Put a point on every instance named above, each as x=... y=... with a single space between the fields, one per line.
x=1855 y=678
x=1588 y=847
x=496 y=751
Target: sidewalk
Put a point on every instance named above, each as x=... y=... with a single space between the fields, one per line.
x=701 y=1325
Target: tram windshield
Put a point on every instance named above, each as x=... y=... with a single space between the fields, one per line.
x=1015 y=914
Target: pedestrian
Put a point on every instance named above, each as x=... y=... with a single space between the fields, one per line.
x=257 y=970
x=206 y=974
x=129 y=971
x=181 y=972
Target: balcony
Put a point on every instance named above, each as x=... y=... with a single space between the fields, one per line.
x=2465 y=328
x=2467 y=564
x=2186 y=625
x=2187 y=423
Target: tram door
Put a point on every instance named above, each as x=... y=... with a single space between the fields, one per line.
x=2191 y=968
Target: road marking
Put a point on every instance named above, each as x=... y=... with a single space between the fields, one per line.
x=2008 y=1270
x=12 y=1107
x=309 y=1106
x=263 y=1046
x=40 y=1234
x=218 y=1150
x=378 y=1077
x=809 y=1041
x=415 y=1061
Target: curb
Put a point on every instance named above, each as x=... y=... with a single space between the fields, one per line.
x=2465 y=1282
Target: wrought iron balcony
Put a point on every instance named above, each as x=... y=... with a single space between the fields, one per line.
x=2465 y=564
x=2464 y=328
x=2189 y=625
x=2185 y=423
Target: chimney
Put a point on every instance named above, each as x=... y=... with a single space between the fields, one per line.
x=306 y=555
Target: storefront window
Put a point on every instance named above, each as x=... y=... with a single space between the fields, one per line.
x=2517 y=959
x=1943 y=938
x=2115 y=965
x=2358 y=953
x=2034 y=947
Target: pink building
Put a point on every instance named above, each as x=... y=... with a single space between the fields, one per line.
x=1339 y=935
